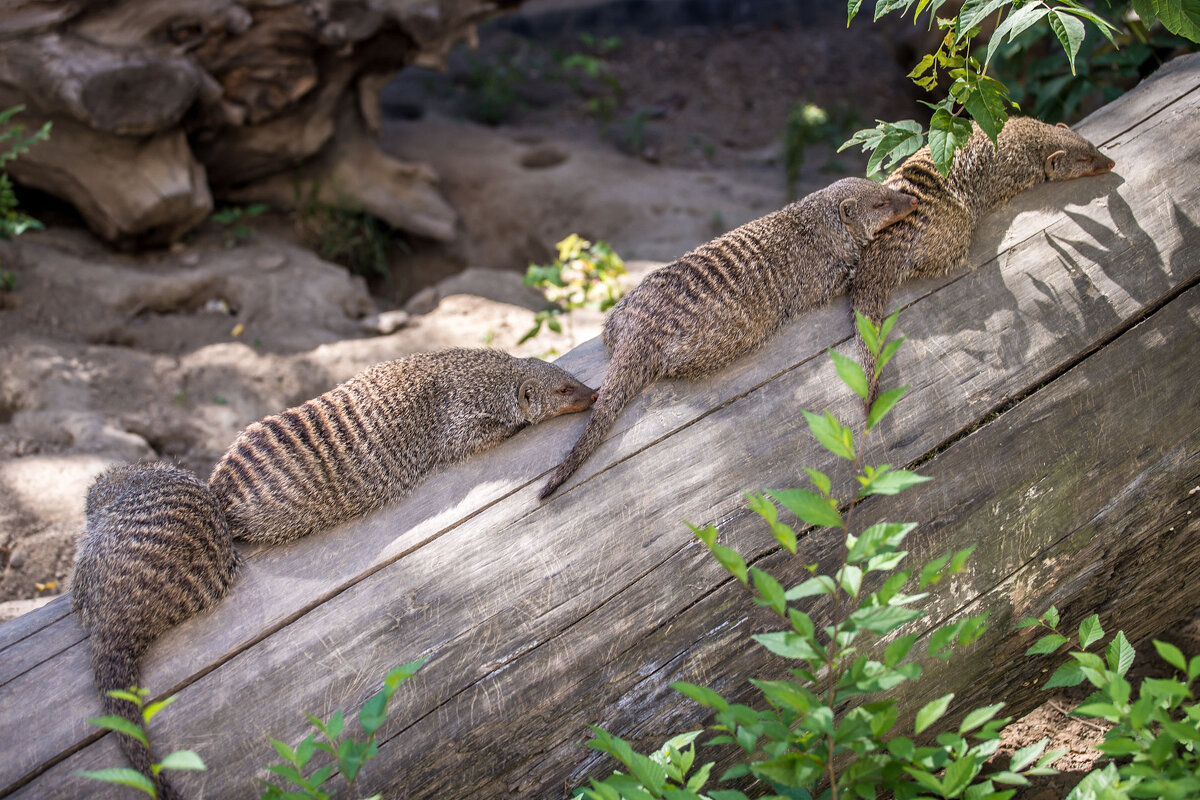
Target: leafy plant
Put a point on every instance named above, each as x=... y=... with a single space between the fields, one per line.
x=807 y=124
x=348 y=753
x=583 y=276
x=356 y=239
x=588 y=73
x=233 y=220
x=1155 y=730
x=13 y=142
x=1104 y=69
x=972 y=93
x=124 y=776
x=828 y=731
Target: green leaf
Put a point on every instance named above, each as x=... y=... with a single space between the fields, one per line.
x=850 y=372
x=958 y=774
x=809 y=506
x=978 y=717
x=987 y=103
x=889 y=350
x=119 y=724
x=787 y=644
x=122 y=776
x=1047 y=644
x=1027 y=755
x=883 y=404
x=1070 y=32
x=701 y=695
x=973 y=13
x=819 y=480
x=885 y=619
x=898 y=649
x=183 y=759
x=830 y=433
x=931 y=712
x=821 y=584
x=850 y=579
x=403 y=672
x=1069 y=674
x=726 y=557
x=1090 y=631
x=1180 y=17
x=1014 y=25
x=373 y=712
x=868 y=331
x=149 y=711
x=770 y=590
x=1171 y=654
x=947 y=133
x=877 y=537
x=852 y=7
x=284 y=750
x=892 y=482
x=1119 y=654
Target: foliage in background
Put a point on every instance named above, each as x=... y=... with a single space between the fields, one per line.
x=970 y=92
x=348 y=753
x=124 y=776
x=1152 y=744
x=829 y=730
x=233 y=220
x=583 y=276
x=808 y=124
x=1104 y=70
x=356 y=239
x=13 y=142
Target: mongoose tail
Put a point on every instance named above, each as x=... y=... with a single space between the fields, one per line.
x=156 y=551
x=629 y=372
x=935 y=239
x=116 y=668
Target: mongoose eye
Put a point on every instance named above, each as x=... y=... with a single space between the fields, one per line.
x=881 y=203
x=564 y=390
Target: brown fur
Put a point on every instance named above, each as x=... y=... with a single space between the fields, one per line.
x=725 y=298
x=372 y=439
x=156 y=551
x=935 y=239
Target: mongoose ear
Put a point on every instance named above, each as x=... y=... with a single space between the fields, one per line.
x=1063 y=125
x=1052 y=160
x=525 y=397
x=847 y=209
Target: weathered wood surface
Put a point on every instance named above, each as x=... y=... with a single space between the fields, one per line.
x=208 y=97
x=1055 y=395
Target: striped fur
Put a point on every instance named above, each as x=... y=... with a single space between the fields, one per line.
x=156 y=551
x=935 y=239
x=725 y=298
x=370 y=440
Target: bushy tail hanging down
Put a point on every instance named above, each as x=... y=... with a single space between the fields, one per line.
x=631 y=370
x=116 y=668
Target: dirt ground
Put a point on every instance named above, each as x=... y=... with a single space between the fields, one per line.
x=661 y=133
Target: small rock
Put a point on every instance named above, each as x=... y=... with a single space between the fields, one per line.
x=386 y=322
x=270 y=261
x=423 y=301
x=17 y=560
x=190 y=259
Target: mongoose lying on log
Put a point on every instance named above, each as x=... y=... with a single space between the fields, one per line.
x=155 y=552
x=935 y=239
x=726 y=297
x=370 y=440
x=157 y=548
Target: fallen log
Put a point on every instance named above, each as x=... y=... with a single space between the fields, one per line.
x=1053 y=401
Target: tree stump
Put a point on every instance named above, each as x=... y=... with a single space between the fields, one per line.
x=158 y=106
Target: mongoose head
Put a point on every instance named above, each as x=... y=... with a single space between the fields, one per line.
x=866 y=207
x=548 y=390
x=1068 y=155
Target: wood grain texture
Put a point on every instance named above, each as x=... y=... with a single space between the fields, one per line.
x=1053 y=399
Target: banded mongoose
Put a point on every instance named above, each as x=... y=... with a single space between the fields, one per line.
x=156 y=550
x=699 y=313
x=372 y=439
x=935 y=239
